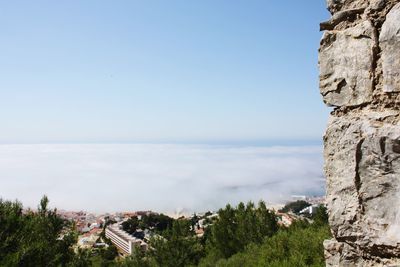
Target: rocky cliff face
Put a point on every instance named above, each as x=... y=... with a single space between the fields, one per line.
x=359 y=60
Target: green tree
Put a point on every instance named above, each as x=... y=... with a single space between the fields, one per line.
x=11 y=223
x=238 y=227
x=223 y=239
x=139 y=258
x=157 y=222
x=321 y=216
x=178 y=248
x=83 y=258
x=109 y=253
x=131 y=225
x=30 y=238
x=298 y=246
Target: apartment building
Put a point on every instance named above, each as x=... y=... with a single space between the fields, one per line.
x=121 y=239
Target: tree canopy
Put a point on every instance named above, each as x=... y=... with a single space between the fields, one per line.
x=31 y=238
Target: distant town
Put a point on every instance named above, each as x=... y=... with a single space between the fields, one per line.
x=130 y=230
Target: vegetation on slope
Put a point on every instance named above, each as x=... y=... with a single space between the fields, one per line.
x=245 y=235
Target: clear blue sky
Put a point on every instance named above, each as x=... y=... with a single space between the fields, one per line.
x=160 y=71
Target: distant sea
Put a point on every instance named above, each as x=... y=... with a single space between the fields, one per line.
x=159 y=177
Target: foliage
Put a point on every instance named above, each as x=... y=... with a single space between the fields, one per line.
x=139 y=258
x=238 y=227
x=321 y=216
x=300 y=245
x=179 y=247
x=109 y=253
x=157 y=222
x=30 y=238
x=131 y=224
x=83 y=258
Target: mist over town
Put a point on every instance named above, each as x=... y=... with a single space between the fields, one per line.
x=169 y=178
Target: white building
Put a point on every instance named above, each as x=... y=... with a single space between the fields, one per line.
x=121 y=239
x=310 y=210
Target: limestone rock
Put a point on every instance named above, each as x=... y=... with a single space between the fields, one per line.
x=345 y=61
x=362 y=166
x=338 y=5
x=389 y=40
x=359 y=61
x=333 y=250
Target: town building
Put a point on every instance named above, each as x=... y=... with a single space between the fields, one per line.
x=122 y=240
x=312 y=209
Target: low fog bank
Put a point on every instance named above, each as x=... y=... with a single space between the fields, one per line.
x=166 y=178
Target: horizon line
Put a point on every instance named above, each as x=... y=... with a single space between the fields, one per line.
x=238 y=142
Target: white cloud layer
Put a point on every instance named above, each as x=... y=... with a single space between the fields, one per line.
x=121 y=177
